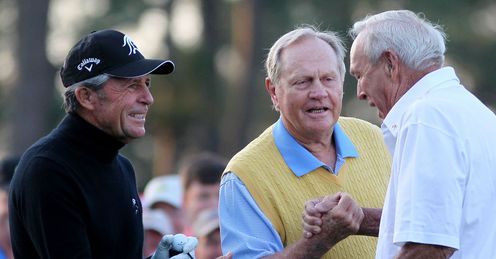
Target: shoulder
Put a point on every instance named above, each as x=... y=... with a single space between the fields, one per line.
x=351 y=121
x=38 y=165
x=37 y=178
x=359 y=126
x=263 y=145
x=260 y=143
x=124 y=160
x=50 y=150
x=126 y=165
x=365 y=136
x=44 y=163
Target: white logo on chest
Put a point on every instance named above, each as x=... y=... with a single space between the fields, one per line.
x=135 y=206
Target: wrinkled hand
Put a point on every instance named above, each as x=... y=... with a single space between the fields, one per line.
x=333 y=217
x=178 y=246
x=342 y=220
x=314 y=209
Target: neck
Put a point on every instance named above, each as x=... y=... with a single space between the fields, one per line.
x=408 y=78
x=320 y=144
x=325 y=151
x=87 y=116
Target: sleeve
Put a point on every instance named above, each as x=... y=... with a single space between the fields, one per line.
x=431 y=185
x=51 y=211
x=245 y=230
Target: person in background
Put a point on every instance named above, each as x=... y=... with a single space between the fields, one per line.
x=73 y=194
x=206 y=228
x=309 y=152
x=7 y=169
x=200 y=174
x=156 y=224
x=5 y=246
x=165 y=193
x=440 y=199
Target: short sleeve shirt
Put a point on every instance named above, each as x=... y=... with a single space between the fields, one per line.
x=443 y=180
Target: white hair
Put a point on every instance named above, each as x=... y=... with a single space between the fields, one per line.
x=419 y=43
x=96 y=83
x=272 y=64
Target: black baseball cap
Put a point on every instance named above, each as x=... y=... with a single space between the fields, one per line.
x=109 y=52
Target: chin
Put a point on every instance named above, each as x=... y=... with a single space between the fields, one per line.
x=321 y=127
x=139 y=135
x=136 y=133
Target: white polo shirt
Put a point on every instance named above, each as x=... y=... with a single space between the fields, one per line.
x=442 y=189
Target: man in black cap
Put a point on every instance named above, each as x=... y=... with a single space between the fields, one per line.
x=73 y=195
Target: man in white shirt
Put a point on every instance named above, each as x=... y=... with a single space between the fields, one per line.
x=440 y=198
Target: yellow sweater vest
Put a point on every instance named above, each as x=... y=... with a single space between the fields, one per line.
x=281 y=195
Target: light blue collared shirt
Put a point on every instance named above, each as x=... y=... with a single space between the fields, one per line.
x=245 y=230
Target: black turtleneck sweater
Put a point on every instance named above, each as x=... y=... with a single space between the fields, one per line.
x=74 y=196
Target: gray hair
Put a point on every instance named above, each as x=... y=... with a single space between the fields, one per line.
x=272 y=64
x=71 y=104
x=419 y=43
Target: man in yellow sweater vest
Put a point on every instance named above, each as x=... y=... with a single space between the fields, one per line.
x=309 y=152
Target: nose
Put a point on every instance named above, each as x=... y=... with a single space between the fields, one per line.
x=360 y=93
x=318 y=90
x=146 y=97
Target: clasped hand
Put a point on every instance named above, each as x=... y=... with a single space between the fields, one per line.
x=333 y=217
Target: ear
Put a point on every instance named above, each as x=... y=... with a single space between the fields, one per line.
x=391 y=63
x=86 y=97
x=271 y=90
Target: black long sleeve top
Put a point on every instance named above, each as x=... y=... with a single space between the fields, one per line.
x=74 y=196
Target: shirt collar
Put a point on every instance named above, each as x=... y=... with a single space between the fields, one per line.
x=299 y=159
x=430 y=81
x=90 y=139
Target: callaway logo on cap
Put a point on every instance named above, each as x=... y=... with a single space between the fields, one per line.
x=109 y=52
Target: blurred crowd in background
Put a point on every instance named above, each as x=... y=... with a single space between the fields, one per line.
x=181 y=202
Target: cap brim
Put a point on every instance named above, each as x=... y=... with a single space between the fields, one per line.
x=143 y=67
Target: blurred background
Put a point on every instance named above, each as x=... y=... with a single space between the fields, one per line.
x=215 y=100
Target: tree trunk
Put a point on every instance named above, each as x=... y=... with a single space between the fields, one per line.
x=34 y=87
x=211 y=87
x=245 y=31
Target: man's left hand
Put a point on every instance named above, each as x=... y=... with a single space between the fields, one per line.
x=178 y=246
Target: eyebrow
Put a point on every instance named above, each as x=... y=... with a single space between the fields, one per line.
x=333 y=74
x=130 y=80
x=134 y=80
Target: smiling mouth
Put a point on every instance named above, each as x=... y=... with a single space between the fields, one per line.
x=138 y=116
x=318 y=110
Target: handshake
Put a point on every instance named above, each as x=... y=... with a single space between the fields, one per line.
x=178 y=246
x=336 y=216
